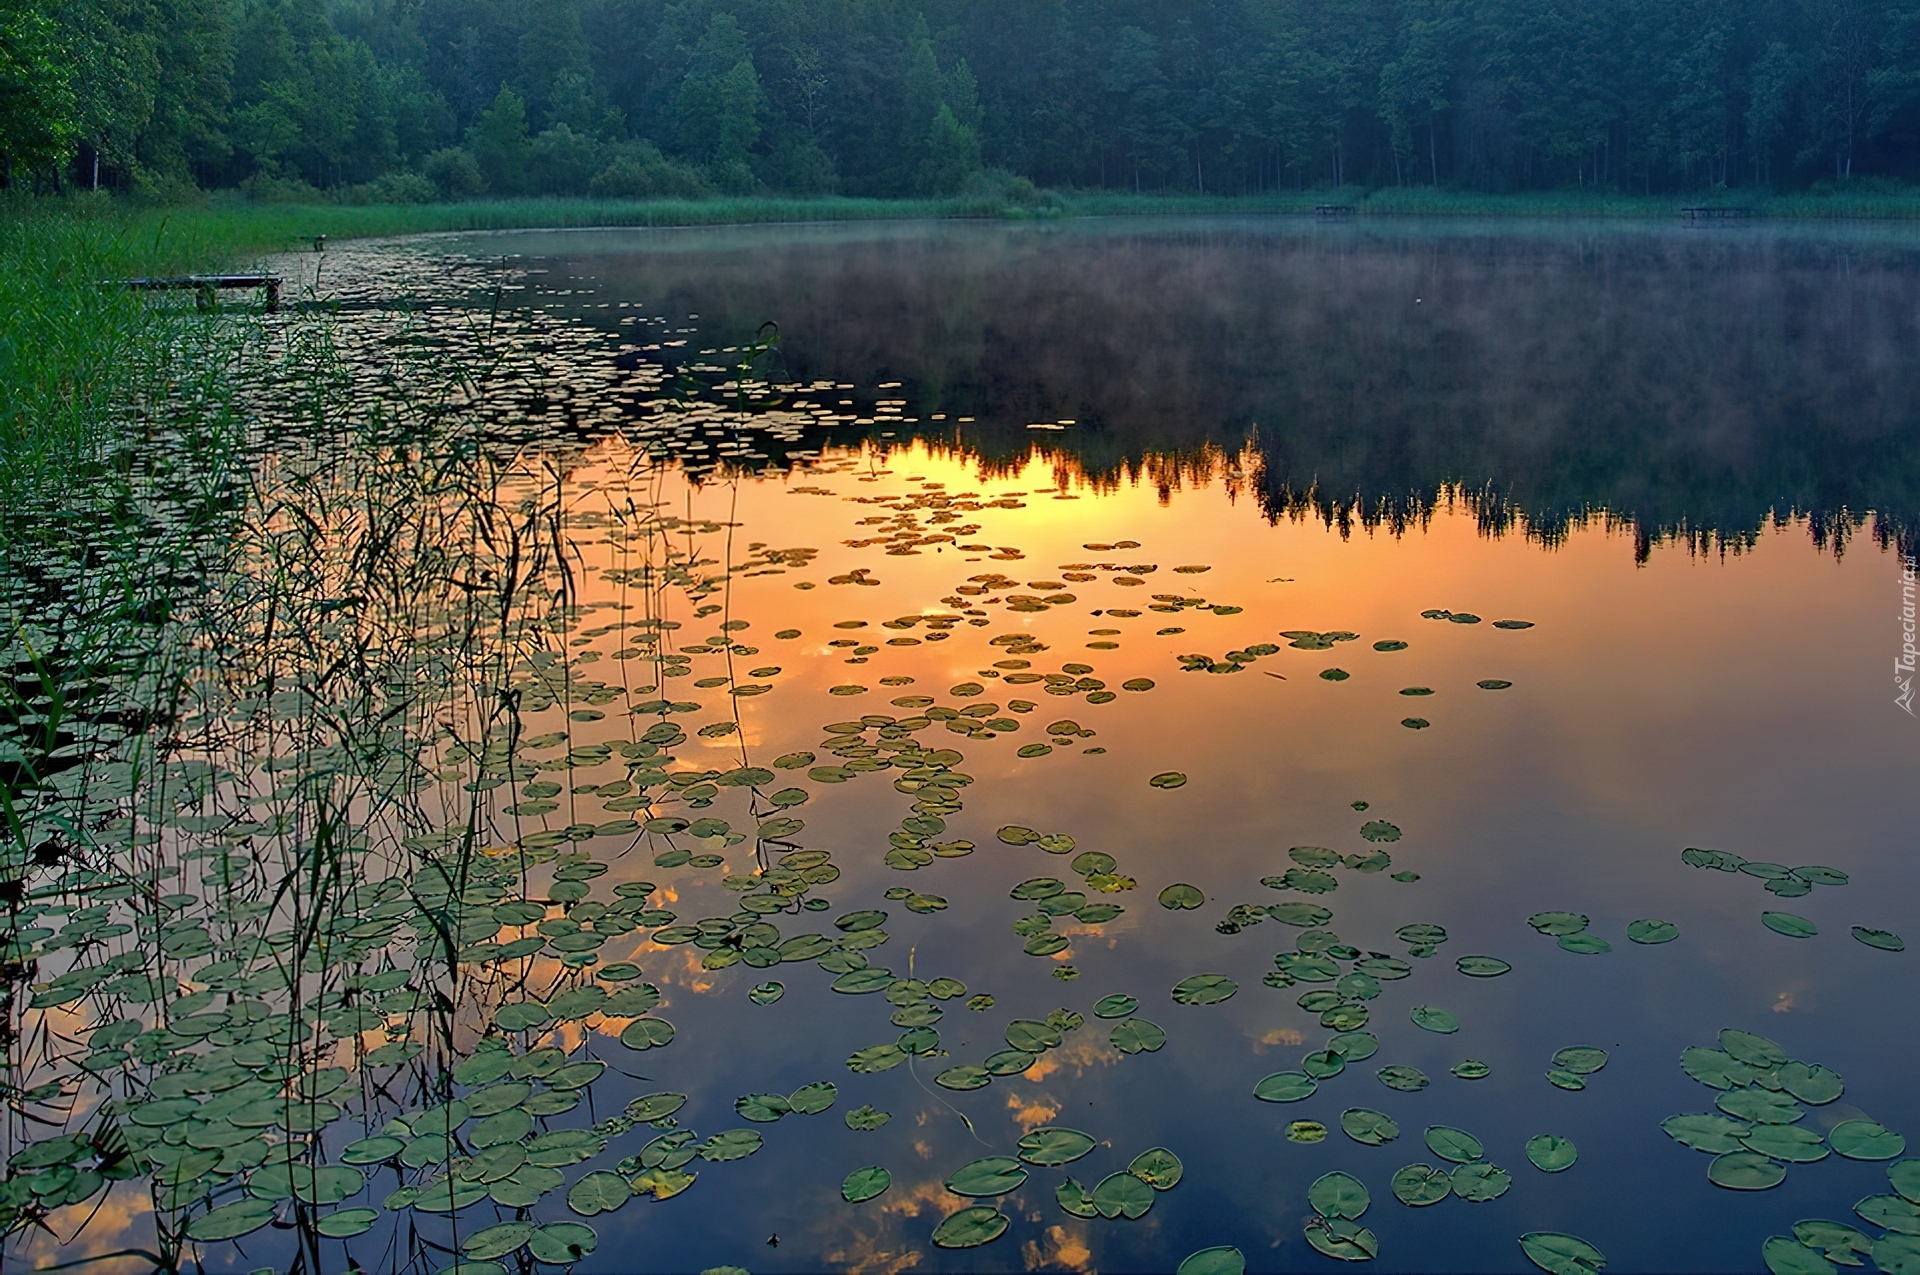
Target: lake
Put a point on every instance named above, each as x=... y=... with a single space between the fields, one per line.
x=1064 y=734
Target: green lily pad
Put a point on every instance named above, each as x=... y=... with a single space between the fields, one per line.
x=1560 y=1254
x=810 y=1100
x=1811 y=1084
x=1122 y=1195
x=970 y=1227
x=1471 y=1069
x=1755 y=1051
x=1342 y=1241
x=647 y=1033
x=865 y=1118
x=1418 y=1185
x=1053 y=1146
x=1115 y=1006
x=1158 y=1167
x=498 y=1240
x=1480 y=1182
x=1714 y=1068
x=1786 y=1142
x=734 y=1144
x=1566 y=1080
x=1434 y=1019
x=1745 y=1171
x=1794 y=927
x=1008 y=1062
x=1715 y=1134
x=1405 y=1079
x=1761 y=1106
x=1285 y=1086
x=1785 y=1256
x=766 y=993
x=563 y=1243
x=964 y=1077
x=1585 y=944
x=1137 y=1035
x=1338 y=1195
x=231 y=1221
x=1181 y=896
x=598 y=1192
x=1891 y=1211
x=1379 y=830
x=1648 y=930
x=1885 y=940
x=371 y=1150
x=1559 y=923
x=1581 y=1060
x=1302 y=914
x=1456 y=1146
x=865 y=1184
x=1839 y=1240
x=989 y=1175
x=1368 y=1128
x=1204 y=989
x=1222 y=1259
x=1168 y=779
x=763 y=1108
x=1354 y=1046
x=1905 y=1177
x=1551 y=1153
x=1482 y=966
x=1075 y=1198
x=1865 y=1140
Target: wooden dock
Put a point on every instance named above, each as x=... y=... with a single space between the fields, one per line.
x=206 y=284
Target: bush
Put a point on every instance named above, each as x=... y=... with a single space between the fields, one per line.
x=640 y=171
x=265 y=188
x=454 y=172
x=396 y=188
x=998 y=183
x=562 y=162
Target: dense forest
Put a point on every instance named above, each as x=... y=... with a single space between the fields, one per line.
x=412 y=100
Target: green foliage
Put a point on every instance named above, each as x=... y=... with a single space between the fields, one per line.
x=37 y=105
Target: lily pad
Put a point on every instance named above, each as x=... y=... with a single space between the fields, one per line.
x=1761 y=1106
x=1480 y=1182
x=498 y=1241
x=599 y=1192
x=1342 y=1241
x=1379 y=830
x=1746 y=1171
x=1405 y=1079
x=563 y=1243
x=1785 y=1256
x=1840 y=1241
x=1551 y=1153
x=1122 y=1195
x=1866 y=1140
x=1905 y=1177
x=766 y=993
x=1338 y=1195
x=1649 y=931
x=1885 y=940
x=1168 y=779
x=1786 y=1142
x=1285 y=1086
x=865 y=1118
x=1585 y=944
x=1715 y=1134
x=1053 y=1146
x=1471 y=1069
x=1418 y=1185
x=1560 y=1254
x=1158 y=1167
x=1456 y=1146
x=231 y=1221
x=1811 y=1084
x=865 y=1184
x=1181 y=896
x=1482 y=966
x=1116 y=1006
x=1137 y=1035
x=989 y=1175
x=1581 y=1060
x=1222 y=1259
x=1434 y=1019
x=1204 y=989
x=1559 y=923
x=1787 y=923
x=964 y=1077
x=1368 y=1128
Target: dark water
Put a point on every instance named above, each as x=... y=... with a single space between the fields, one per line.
x=1687 y=461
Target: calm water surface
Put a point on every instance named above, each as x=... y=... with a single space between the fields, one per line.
x=1110 y=452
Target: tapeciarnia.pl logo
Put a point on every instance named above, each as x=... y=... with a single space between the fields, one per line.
x=1903 y=664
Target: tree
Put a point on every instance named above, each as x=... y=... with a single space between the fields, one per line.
x=37 y=125
x=499 y=145
x=953 y=154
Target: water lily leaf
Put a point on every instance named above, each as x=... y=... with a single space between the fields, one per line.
x=1648 y=930
x=1785 y=1256
x=366 y=1151
x=1075 y=1198
x=1715 y=1134
x=1761 y=1106
x=865 y=1119
x=1842 y=1243
x=964 y=1077
x=1222 y=1259
x=1581 y=1060
x=1343 y=1241
x=1434 y=1019
x=1551 y=1153
x=811 y=1100
x=1168 y=779
x=865 y=1184
x=1559 y=923
x=1811 y=1084
x=1456 y=1146
x=1405 y=1079
x=1559 y=1254
x=1158 y=1167
x=1368 y=1128
x=563 y=1243
x=1285 y=1086
x=1137 y=1035
x=876 y=1058
x=1418 y=1185
x=1585 y=944
x=970 y=1227
x=1479 y=1182
x=1180 y=895
x=1053 y=1146
x=1891 y=1211
x=1115 y=1006
x=1885 y=940
x=1338 y=1195
x=1866 y=1140
x=1794 y=927
x=1755 y=1051
x=1471 y=1069
x=1786 y=1142
x=647 y=1033
x=599 y=1192
x=1354 y=1046
x=1715 y=1068
x=989 y=1175
x=1566 y=1080
x=1745 y=1171
x=1323 y=1064
x=1482 y=966
x=499 y=1240
x=1204 y=989
x=231 y=1221
x=1905 y=1177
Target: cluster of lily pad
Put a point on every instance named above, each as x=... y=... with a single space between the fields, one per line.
x=1789 y=883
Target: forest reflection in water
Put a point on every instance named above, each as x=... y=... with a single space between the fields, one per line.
x=1688 y=383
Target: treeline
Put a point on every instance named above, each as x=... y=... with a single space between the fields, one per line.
x=424 y=99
